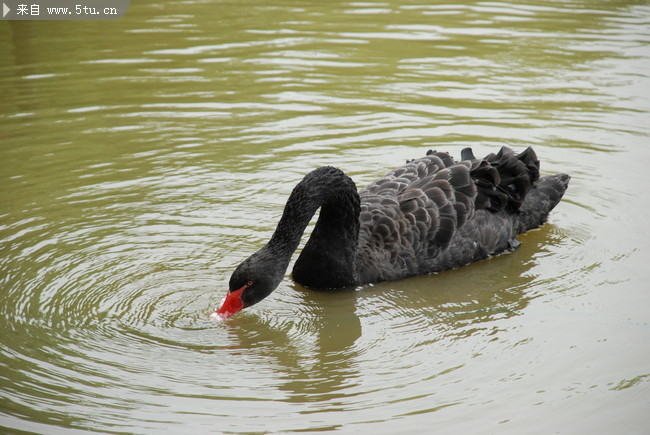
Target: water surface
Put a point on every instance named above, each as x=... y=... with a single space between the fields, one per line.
x=144 y=158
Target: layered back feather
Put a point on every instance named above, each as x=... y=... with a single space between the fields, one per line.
x=419 y=218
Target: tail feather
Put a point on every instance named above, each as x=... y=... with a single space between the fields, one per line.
x=511 y=182
x=541 y=199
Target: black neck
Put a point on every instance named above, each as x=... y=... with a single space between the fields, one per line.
x=328 y=258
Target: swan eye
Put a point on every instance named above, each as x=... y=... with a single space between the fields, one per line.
x=249 y=283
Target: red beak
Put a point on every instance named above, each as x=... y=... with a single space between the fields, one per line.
x=231 y=304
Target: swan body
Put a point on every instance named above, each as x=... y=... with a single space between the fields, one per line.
x=432 y=214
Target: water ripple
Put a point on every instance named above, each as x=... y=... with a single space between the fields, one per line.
x=128 y=199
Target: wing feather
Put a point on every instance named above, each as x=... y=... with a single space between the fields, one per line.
x=410 y=216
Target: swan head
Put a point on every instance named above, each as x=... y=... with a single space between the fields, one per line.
x=253 y=280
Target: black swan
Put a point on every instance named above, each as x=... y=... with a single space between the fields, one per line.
x=429 y=215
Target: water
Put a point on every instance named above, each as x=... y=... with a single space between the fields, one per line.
x=144 y=158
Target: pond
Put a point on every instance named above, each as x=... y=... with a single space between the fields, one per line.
x=143 y=158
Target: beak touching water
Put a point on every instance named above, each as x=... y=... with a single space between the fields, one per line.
x=231 y=304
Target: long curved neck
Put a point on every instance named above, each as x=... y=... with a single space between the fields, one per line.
x=327 y=259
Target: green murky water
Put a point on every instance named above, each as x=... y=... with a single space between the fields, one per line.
x=143 y=158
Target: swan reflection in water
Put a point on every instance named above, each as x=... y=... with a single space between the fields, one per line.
x=321 y=343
